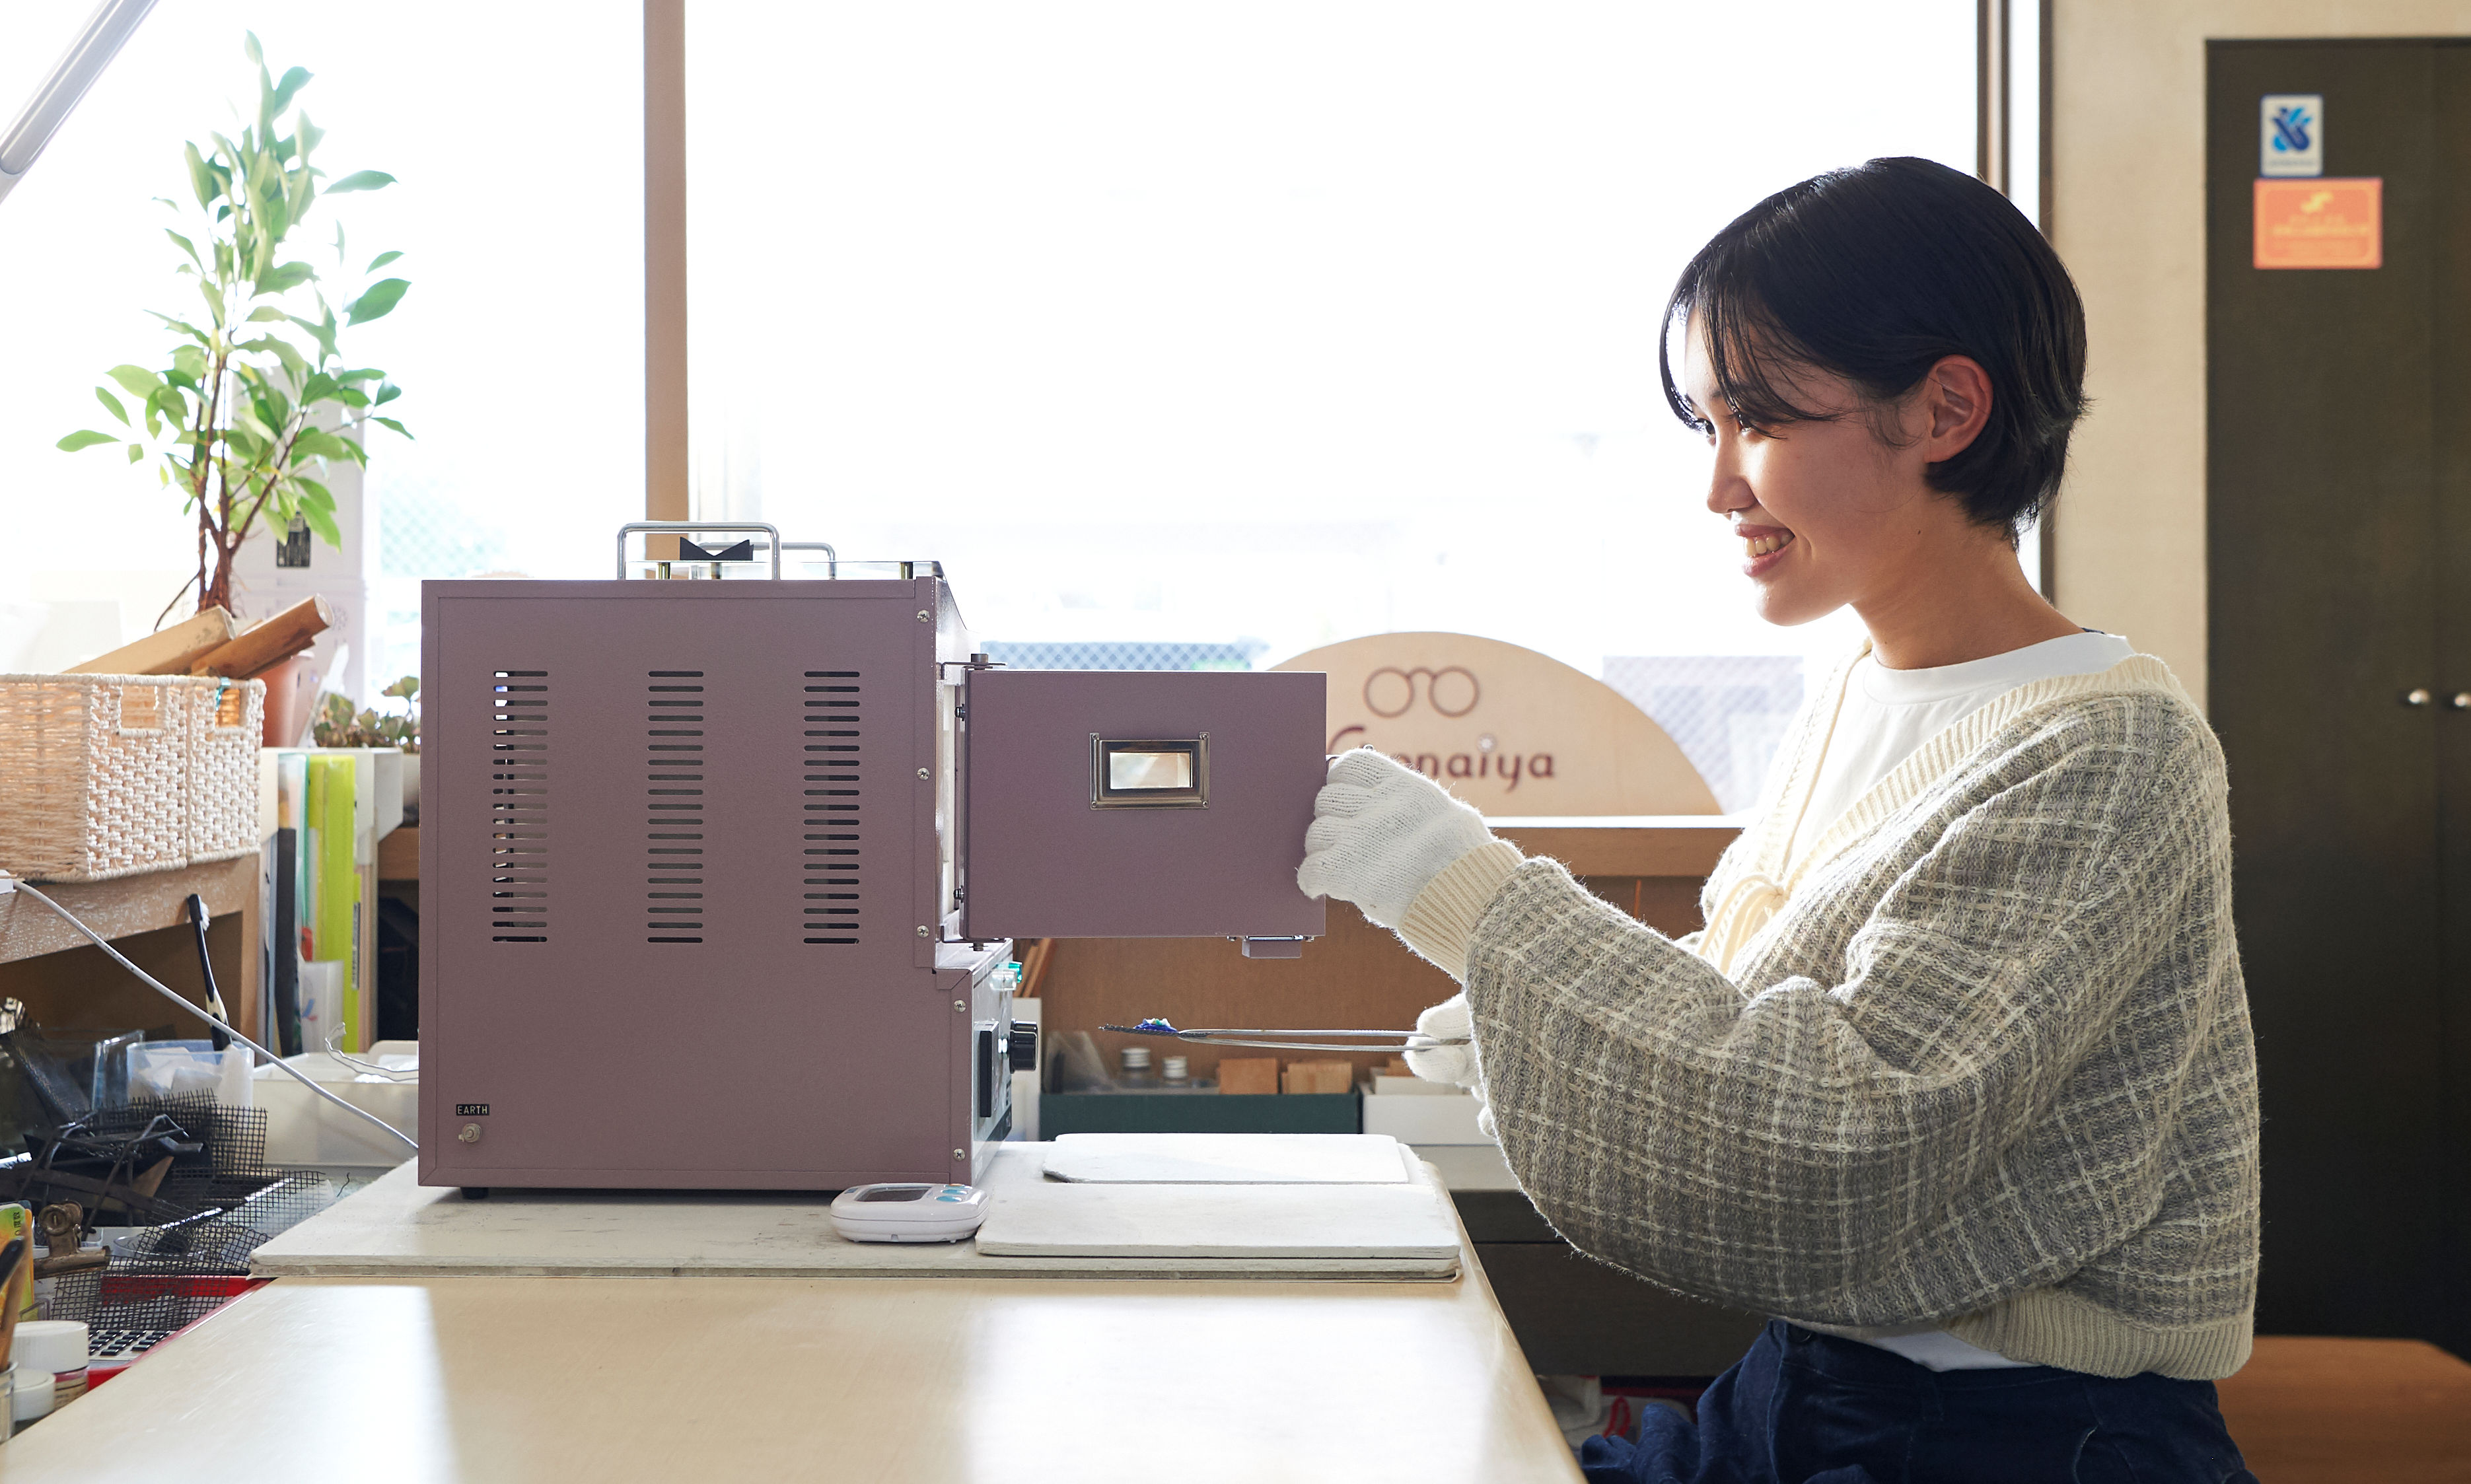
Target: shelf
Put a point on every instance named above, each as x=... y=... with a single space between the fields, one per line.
x=1589 y=844
x=1625 y=844
x=125 y=906
x=399 y=854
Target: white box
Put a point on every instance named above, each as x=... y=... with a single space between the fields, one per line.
x=1425 y=1120
x=304 y=1130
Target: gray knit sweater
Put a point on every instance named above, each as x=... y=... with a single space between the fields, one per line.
x=1975 y=1056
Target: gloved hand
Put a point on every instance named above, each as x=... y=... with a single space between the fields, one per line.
x=1455 y=1065
x=1380 y=834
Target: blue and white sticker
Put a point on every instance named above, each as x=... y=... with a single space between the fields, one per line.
x=2293 y=135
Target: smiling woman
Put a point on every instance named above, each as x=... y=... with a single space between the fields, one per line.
x=1983 y=915
x=1887 y=361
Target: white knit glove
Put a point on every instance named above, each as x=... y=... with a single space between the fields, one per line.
x=1380 y=834
x=1455 y=1065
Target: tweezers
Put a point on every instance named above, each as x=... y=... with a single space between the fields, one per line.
x=1302 y=1040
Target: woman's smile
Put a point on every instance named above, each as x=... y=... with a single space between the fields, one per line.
x=1764 y=546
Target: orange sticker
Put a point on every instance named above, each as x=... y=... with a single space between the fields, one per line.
x=2321 y=222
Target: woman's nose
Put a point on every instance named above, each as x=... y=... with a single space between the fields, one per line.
x=1727 y=491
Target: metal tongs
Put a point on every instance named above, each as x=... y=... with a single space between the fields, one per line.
x=1307 y=1040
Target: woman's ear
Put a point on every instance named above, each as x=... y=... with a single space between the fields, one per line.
x=1957 y=395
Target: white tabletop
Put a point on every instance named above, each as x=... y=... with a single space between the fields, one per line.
x=474 y=1380
x=399 y=1228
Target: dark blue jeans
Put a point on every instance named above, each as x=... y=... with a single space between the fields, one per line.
x=1804 y=1408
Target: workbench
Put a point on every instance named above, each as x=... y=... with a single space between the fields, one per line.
x=432 y=1380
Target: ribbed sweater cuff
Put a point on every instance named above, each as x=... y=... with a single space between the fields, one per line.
x=1442 y=919
x=2052 y=1327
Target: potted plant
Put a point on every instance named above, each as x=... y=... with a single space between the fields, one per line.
x=339 y=725
x=256 y=401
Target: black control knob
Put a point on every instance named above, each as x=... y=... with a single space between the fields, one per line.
x=1024 y=1043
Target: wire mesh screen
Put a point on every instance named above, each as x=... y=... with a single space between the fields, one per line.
x=1124 y=655
x=1728 y=713
x=213 y=1207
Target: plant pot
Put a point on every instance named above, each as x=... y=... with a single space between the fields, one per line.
x=291 y=700
x=412 y=788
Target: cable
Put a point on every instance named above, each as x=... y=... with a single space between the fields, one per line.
x=372 y=1069
x=190 y=1005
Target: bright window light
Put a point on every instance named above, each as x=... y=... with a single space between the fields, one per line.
x=1267 y=325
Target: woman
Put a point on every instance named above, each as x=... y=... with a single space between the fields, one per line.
x=1957 y=1081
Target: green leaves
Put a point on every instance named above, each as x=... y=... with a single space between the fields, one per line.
x=136 y=380
x=202 y=177
x=283 y=278
x=377 y=302
x=254 y=403
x=292 y=82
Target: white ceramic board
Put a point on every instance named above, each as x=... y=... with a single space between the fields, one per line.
x=1410 y=1220
x=1228 y=1158
x=397 y=1227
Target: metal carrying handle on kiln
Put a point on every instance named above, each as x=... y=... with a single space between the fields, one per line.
x=681 y=527
x=776 y=546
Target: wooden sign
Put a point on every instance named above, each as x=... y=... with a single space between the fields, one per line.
x=1510 y=731
x=2321 y=222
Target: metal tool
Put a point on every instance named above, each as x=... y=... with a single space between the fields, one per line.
x=1305 y=1039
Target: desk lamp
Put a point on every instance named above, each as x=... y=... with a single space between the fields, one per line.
x=93 y=50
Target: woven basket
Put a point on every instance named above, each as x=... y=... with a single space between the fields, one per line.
x=112 y=775
x=228 y=724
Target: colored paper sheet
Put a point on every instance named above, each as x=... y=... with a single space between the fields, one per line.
x=2321 y=222
x=338 y=892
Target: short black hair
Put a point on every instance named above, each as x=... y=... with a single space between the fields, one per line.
x=1876 y=274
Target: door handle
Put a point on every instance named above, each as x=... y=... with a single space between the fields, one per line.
x=2417 y=698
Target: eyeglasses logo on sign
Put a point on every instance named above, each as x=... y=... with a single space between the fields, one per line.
x=1452 y=692
x=1510 y=731
x=2292 y=137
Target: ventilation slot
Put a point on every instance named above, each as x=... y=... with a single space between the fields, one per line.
x=519 y=807
x=831 y=814
x=674 y=816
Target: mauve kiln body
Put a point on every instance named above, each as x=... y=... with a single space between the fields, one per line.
x=700 y=860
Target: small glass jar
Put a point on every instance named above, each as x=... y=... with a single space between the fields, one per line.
x=1136 y=1076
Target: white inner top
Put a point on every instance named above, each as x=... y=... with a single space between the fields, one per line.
x=1887 y=715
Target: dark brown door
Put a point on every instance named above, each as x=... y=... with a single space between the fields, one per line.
x=2339 y=630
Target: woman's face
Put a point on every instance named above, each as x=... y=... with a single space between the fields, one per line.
x=1828 y=513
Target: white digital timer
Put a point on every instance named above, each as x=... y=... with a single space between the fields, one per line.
x=908 y=1212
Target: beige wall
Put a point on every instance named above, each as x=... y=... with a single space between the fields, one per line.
x=2129 y=215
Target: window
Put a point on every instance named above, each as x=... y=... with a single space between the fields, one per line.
x=515 y=133
x=1248 y=329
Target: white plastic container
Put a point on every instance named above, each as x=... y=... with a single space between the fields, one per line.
x=50 y=1364
x=160 y=1070
x=305 y=1131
